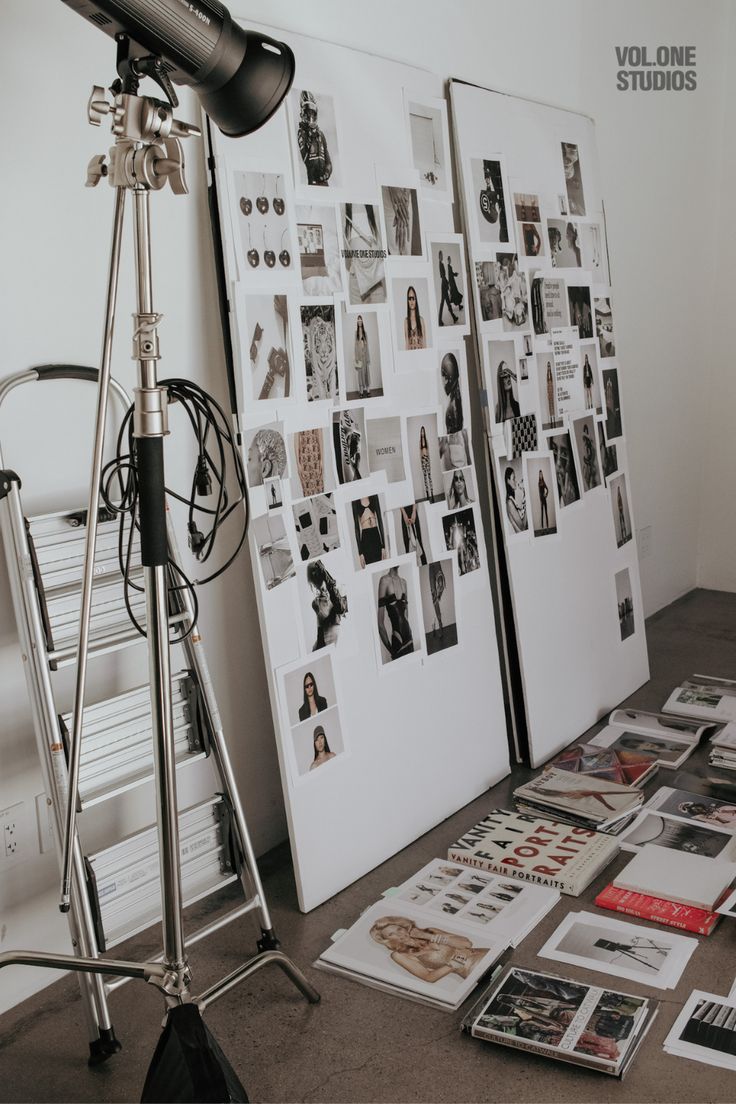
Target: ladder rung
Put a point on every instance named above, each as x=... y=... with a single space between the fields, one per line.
x=124 y=637
x=126 y=875
x=117 y=744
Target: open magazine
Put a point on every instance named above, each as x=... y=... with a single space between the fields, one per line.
x=704 y=697
x=588 y=1025
x=671 y=739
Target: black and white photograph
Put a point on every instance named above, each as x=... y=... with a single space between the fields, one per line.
x=429 y=140
x=265 y=454
x=317 y=741
x=530 y=229
x=324 y=601
x=410 y=525
x=489 y=201
x=315 y=139
x=398 y=617
x=547 y=391
x=453 y=392
x=350 y=445
x=591 y=378
x=620 y=510
x=369 y=533
x=386 y=448
x=542 y=504
x=678 y=835
x=312 y=470
x=413 y=320
x=502 y=382
x=573 y=178
x=455 y=450
x=265 y=358
x=461 y=537
x=402 y=221
x=263 y=211
x=447 y=262
x=362 y=354
x=587 y=449
x=363 y=254
x=274 y=550
x=513 y=495
x=625 y=603
x=437 y=588
x=315 y=521
x=649 y=955
x=581 y=314
x=604 y=327
x=308 y=688
x=423 y=450
x=523 y=368
x=705 y=1030
x=568 y=484
x=612 y=401
x=273 y=492
x=697 y=808
x=514 y=293
x=608 y=454
x=459 y=488
x=319 y=341
x=564 y=246
x=487 y=275
x=319 y=250
x=524 y=435
x=592 y=244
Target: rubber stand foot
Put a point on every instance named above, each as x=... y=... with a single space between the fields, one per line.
x=103 y=1048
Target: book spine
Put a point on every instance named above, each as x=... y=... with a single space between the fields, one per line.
x=657 y=917
x=468 y=858
x=546 y=1051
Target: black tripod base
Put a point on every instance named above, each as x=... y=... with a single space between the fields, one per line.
x=103 y=1048
x=188 y=1064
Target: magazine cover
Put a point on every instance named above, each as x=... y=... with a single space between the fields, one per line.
x=590 y=798
x=563 y=1019
x=400 y=945
x=701 y=696
x=628 y=768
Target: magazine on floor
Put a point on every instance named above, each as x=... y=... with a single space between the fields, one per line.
x=671 y=740
x=678 y=876
x=685 y=821
x=535 y=849
x=704 y=697
x=610 y=946
x=629 y=768
x=594 y=802
x=723 y=748
x=705 y=1030
x=563 y=1019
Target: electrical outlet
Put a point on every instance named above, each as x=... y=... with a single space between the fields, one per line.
x=645 y=542
x=12 y=842
x=44 y=810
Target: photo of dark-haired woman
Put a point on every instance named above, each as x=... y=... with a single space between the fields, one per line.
x=313 y=701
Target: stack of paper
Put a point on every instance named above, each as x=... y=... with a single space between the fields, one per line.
x=723 y=748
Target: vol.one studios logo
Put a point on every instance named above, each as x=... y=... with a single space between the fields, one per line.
x=663 y=69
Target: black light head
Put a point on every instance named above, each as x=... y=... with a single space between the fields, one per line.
x=239 y=76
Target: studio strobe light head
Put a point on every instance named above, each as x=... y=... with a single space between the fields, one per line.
x=240 y=76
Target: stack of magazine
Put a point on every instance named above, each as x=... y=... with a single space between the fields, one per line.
x=438 y=934
x=630 y=768
x=704 y=697
x=587 y=800
x=723 y=748
x=535 y=849
x=587 y=1025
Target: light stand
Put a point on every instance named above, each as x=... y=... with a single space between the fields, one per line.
x=188 y=1064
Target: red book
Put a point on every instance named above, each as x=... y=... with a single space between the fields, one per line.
x=656 y=909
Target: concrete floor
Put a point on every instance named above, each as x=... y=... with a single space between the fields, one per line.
x=362 y=1045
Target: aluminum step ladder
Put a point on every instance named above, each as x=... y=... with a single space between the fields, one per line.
x=116 y=890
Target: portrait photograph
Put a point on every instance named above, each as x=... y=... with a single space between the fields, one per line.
x=264 y=337
x=369 y=533
x=514 y=293
x=273 y=548
x=568 y=483
x=317 y=741
x=604 y=327
x=620 y=510
x=314 y=139
x=453 y=390
x=429 y=140
x=413 y=324
x=398 y=618
x=423 y=451
x=612 y=403
x=489 y=290
x=319 y=250
x=308 y=688
x=402 y=221
x=591 y=377
x=363 y=254
x=362 y=353
x=262 y=217
x=319 y=341
x=542 y=504
x=350 y=445
x=459 y=488
x=547 y=391
x=437 y=589
x=386 y=448
x=502 y=382
x=513 y=495
x=447 y=262
x=625 y=602
x=461 y=537
x=312 y=471
x=608 y=454
x=573 y=178
x=323 y=601
x=315 y=522
x=488 y=200
x=564 y=247
x=265 y=454
x=581 y=314
x=587 y=450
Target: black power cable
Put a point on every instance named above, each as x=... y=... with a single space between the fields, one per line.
x=219 y=463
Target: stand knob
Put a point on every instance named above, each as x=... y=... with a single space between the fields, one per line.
x=95 y=170
x=97 y=105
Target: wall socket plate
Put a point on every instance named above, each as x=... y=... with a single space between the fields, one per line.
x=13 y=839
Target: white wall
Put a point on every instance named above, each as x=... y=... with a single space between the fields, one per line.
x=658 y=155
